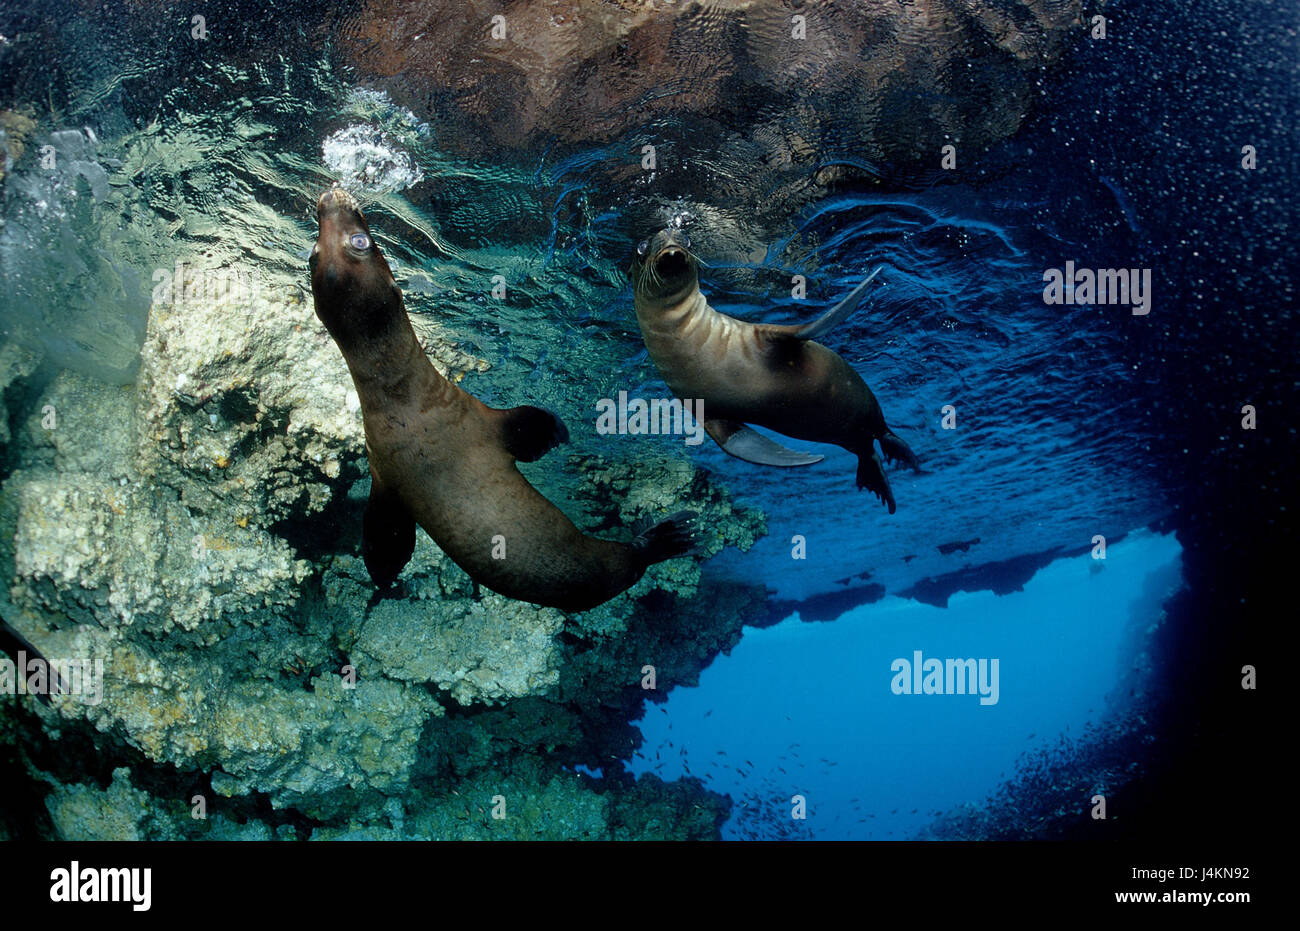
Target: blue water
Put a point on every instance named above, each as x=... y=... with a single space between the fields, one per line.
x=807 y=709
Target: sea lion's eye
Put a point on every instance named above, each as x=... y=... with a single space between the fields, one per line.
x=686 y=241
x=642 y=247
x=360 y=241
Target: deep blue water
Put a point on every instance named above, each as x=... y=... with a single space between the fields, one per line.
x=808 y=709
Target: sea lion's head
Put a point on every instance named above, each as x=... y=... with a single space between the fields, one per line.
x=354 y=289
x=664 y=269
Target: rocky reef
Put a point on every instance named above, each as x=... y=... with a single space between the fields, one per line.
x=198 y=532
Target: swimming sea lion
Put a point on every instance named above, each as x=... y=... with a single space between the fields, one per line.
x=442 y=459
x=774 y=376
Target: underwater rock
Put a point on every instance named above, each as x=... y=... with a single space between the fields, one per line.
x=246 y=405
x=623 y=493
x=240 y=409
x=164 y=528
x=165 y=498
x=482 y=651
x=15 y=128
x=99 y=552
x=121 y=811
x=651 y=809
x=94 y=540
x=16 y=366
x=86 y=812
x=535 y=803
x=299 y=747
x=81 y=425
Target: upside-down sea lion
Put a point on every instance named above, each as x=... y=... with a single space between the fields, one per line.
x=774 y=376
x=442 y=459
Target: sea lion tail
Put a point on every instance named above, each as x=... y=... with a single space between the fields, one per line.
x=667 y=539
x=898 y=451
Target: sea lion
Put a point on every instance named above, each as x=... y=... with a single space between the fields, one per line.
x=442 y=459
x=774 y=376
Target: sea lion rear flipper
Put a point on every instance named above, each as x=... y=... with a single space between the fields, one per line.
x=746 y=443
x=896 y=449
x=666 y=539
x=528 y=433
x=827 y=321
x=387 y=535
x=871 y=476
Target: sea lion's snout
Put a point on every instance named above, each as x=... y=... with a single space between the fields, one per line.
x=665 y=265
x=351 y=282
x=336 y=199
x=344 y=235
x=671 y=262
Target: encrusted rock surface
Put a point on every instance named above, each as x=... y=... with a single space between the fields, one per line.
x=198 y=533
x=16 y=366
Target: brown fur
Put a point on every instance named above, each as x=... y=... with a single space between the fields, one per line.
x=438 y=452
x=755 y=373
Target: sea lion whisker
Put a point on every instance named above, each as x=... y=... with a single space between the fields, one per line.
x=653 y=276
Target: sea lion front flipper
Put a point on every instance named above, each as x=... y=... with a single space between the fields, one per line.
x=746 y=443
x=387 y=534
x=827 y=321
x=528 y=433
